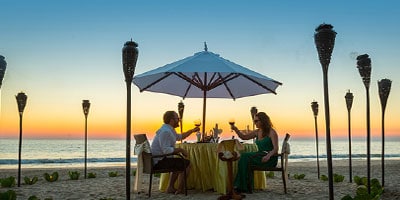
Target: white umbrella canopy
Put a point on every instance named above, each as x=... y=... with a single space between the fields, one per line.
x=205 y=75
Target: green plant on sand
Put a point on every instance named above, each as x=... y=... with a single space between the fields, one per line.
x=30 y=181
x=270 y=174
x=8 y=195
x=113 y=174
x=73 y=175
x=362 y=191
x=33 y=197
x=92 y=175
x=51 y=178
x=7 y=182
x=299 y=176
x=360 y=180
x=338 y=178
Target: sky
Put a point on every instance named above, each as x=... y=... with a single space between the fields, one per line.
x=61 y=52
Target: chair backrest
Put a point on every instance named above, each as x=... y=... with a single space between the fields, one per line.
x=229 y=145
x=285 y=144
x=140 y=138
x=147 y=159
x=285 y=150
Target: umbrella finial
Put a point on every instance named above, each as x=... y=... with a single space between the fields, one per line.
x=205 y=46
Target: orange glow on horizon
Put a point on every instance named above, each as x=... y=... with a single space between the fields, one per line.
x=103 y=127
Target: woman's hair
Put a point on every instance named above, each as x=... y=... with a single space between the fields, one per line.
x=266 y=123
x=168 y=116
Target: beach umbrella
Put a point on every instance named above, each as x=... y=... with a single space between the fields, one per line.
x=384 y=90
x=205 y=75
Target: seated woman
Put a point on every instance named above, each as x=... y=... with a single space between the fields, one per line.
x=267 y=143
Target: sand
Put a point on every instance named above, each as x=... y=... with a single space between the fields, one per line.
x=104 y=186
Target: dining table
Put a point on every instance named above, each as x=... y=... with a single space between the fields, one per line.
x=207 y=171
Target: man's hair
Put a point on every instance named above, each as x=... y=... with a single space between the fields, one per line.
x=168 y=116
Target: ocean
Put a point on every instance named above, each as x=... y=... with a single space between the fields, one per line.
x=47 y=153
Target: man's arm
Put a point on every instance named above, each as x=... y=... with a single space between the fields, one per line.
x=187 y=133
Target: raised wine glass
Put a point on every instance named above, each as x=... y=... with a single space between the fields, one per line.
x=197 y=123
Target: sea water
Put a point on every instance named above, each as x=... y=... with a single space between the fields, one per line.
x=45 y=153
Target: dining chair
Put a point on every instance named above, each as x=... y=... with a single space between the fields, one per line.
x=148 y=163
x=283 y=156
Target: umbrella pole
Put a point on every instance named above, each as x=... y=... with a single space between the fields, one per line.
x=204 y=115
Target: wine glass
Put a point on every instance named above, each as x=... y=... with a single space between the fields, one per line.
x=232 y=123
x=197 y=123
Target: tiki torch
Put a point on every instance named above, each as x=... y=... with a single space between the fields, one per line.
x=129 y=58
x=181 y=108
x=3 y=66
x=253 y=112
x=364 y=67
x=349 y=102
x=86 y=106
x=314 y=107
x=21 y=101
x=324 y=38
x=384 y=90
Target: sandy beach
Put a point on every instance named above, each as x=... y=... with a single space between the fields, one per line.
x=104 y=186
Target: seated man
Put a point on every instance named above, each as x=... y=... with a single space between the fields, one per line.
x=164 y=143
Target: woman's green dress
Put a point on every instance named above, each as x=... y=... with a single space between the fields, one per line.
x=246 y=158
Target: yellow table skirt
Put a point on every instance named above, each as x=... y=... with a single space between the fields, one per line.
x=208 y=172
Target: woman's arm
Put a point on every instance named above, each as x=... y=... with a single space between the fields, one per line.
x=242 y=136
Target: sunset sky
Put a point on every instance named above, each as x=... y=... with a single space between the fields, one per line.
x=61 y=52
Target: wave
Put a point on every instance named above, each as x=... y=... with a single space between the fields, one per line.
x=64 y=161
x=343 y=156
